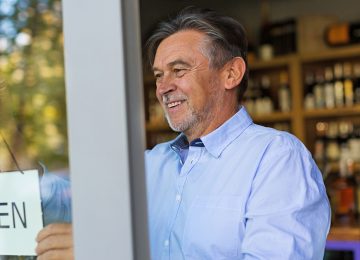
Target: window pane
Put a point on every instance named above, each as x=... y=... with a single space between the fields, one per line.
x=33 y=131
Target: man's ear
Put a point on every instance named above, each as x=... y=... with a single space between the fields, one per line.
x=234 y=72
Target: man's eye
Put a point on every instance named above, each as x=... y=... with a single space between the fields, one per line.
x=157 y=75
x=179 y=72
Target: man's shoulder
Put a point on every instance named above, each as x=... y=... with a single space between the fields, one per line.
x=274 y=138
x=159 y=149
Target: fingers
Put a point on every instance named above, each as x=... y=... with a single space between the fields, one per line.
x=55 y=242
x=57 y=255
x=54 y=229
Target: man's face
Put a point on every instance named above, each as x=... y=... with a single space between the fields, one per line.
x=186 y=86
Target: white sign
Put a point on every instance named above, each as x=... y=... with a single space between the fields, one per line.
x=20 y=212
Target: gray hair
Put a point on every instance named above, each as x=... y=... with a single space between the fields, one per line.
x=226 y=37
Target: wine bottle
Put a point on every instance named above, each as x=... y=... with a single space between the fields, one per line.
x=309 y=102
x=249 y=97
x=345 y=187
x=267 y=102
x=348 y=84
x=339 y=85
x=319 y=91
x=284 y=92
x=320 y=142
x=329 y=88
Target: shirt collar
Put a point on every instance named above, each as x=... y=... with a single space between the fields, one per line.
x=216 y=141
x=181 y=143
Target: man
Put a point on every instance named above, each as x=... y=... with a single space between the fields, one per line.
x=225 y=188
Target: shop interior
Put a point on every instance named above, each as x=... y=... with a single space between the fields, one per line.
x=304 y=60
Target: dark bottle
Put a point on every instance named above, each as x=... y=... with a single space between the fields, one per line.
x=309 y=101
x=347 y=207
x=265 y=85
x=309 y=82
x=357 y=193
x=356 y=83
x=266 y=49
x=341 y=187
x=320 y=142
x=266 y=104
x=319 y=90
x=250 y=97
x=354 y=146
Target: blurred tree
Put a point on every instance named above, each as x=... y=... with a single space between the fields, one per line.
x=32 y=88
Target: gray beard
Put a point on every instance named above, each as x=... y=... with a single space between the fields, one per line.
x=188 y=123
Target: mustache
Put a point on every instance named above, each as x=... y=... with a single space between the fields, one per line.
x=168 y=98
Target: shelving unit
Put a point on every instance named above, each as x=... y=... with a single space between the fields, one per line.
x=294 y=63
x=273 y=117
x=334 y=112
x=344 y=234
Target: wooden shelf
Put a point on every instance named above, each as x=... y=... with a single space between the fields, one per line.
x=281 y=61
x=333 y=112
x=332 y=54
x=328 y=54
x=344 y=233
x=272 y=117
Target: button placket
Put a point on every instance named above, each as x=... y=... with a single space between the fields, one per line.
x=178 y=198
x=193 y=157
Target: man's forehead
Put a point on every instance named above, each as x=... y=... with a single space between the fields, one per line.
x=180 y=48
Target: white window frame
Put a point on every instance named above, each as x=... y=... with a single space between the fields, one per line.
x=105 y=111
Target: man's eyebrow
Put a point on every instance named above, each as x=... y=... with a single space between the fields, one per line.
x=173 y=63
x=154 y=69
x=179 y=62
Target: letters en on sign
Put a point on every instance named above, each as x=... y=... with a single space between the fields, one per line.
x=20 y=212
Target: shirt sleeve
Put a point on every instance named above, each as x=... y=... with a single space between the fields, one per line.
x=56 y=198
x=287 y=213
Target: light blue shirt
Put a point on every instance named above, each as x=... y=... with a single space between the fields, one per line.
x=55 y=198
x=249 y=192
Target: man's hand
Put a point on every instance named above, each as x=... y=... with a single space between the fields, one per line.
x=55 y=241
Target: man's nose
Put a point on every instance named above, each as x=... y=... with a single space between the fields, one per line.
x=165 y=84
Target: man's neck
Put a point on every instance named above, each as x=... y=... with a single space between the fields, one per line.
x=214 y=123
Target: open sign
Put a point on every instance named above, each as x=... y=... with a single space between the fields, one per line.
x=20 y=212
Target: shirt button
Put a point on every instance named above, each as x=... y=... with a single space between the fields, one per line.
x=178 y=197
x=166 y=243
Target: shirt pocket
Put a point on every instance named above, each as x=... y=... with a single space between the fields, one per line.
x=212 y=228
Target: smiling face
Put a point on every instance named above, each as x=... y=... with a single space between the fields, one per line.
x=189 y=91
